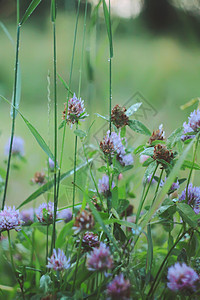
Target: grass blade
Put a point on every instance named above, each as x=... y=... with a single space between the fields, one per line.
x=30 y=10
x=108 y=26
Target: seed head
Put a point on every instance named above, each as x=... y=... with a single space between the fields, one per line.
x=118 y=116
x=162 y=153
x=39 y=178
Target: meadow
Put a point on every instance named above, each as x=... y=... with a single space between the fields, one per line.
x=122 y=222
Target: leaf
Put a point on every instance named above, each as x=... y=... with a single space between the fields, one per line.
x=115 y=200
x=53 y=10
x=147 y=162
x=47 y=186
x=66 y=230
x=139 y=149
x=174 y=137
x=151 y=168
x=148 y=151
x=149 y=253
x=46 y=283
x=122 y=206
x=30 y=10
x=190 y=165
x=187 y=213
x=108 y=26
x=7 y=33
x=65 y=84
x=139 y=127
x=132 y=109
x=80 y=133
x=100 y=116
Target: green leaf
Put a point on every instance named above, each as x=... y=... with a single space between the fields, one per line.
x=139 y=127
x=30 y=10
x=132 y=109
x=139 y=149
x=174 y=137
x=187 y=213
x=188 y=164
x=122 y=206
x=46 y=283
x=149 y=253
x=80 y=133
x=47 y=186
x=148 y=151
x=108 y=26
x=65 y=84
x=151 y=168
x=65 y=231
x=100 y=116
x=115 y=200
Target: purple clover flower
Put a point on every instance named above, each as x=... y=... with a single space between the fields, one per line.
x=10 y=219
x=119 y=288
x=103 y=185
x=90 y=240
x=193 y=125
x=27 y=216
x=51 y=164
x=76 y=110
x=181 y=277
x=17 y=146
x=58 y=261
x=193 y=197
x=65 y=215
x=126 y=160
x=45 y=212
x=99 y=259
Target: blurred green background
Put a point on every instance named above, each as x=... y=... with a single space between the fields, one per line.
x=156 y=56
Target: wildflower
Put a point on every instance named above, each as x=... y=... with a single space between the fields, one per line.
x=58 y=261
x=162 y=153
x=181 y=277
x=103 y=185
x=157 y=135
x=99 y=259
x=39 y=178
x=193 y=124
x=143 y=158
x=193 y=197
x=126 y=160
x=76 y=110
x=45 y=212
x=65 y=214
x=10 y=219
x=119 y=288
x=90 y=241
x=118 y=116
x=51 y=164
x=120 y=176
x=84 y=221
x=17 y=146
x=175 y=185
x=27 y=216
x=187 y=129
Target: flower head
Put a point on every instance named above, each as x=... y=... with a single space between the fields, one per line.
x=119 y=288
x=103 y=185
x=17 y=146
x=65 y=214
x=162 y=153
x=181 y=277
x=157 y=135
x=118 y=116
x=39 y=178
x=193 y=125
x=10 y=219
x=58 y=261
x=76 y=110
x=100 y=259
x=27 y=216
x=90 y=241
x=84 y=221
x=45 y=212
x=193 y=197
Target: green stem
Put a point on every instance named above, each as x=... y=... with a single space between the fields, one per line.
x=18 y=12
x=13 y=118
x=190 y=174
x=77 y=262
x=156 y=192
x=155 y=284
x=47 y=242
x=110 y=79
x=144 y=198
x=75 y=157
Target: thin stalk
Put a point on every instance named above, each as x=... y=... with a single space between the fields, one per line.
x=47 y=242
x=158 y=184
x=55 y=139
x=18 y=12
x=77 y=262
x=144 y=198
x=110 y=80
x=193 y=161
x=155 y=284
x=70 y=79
x=13 y=118
x=75 y=158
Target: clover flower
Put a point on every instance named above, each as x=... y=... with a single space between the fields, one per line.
x=181 y=277
x=17 y=146
x=39 y=178
x=193 y=197
x=162 y=153
x=65 y=215
x=119 y=288
x=112 y=145
x=157 y=135
x=10 y=219
x=27 y=216
x=58 y=261
x=103 y=185
x=119 y=117
x=193 y=125
x=84 y=221
x=76 y=110
x=99 y=259
x=45 y=212
x=90 y=241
